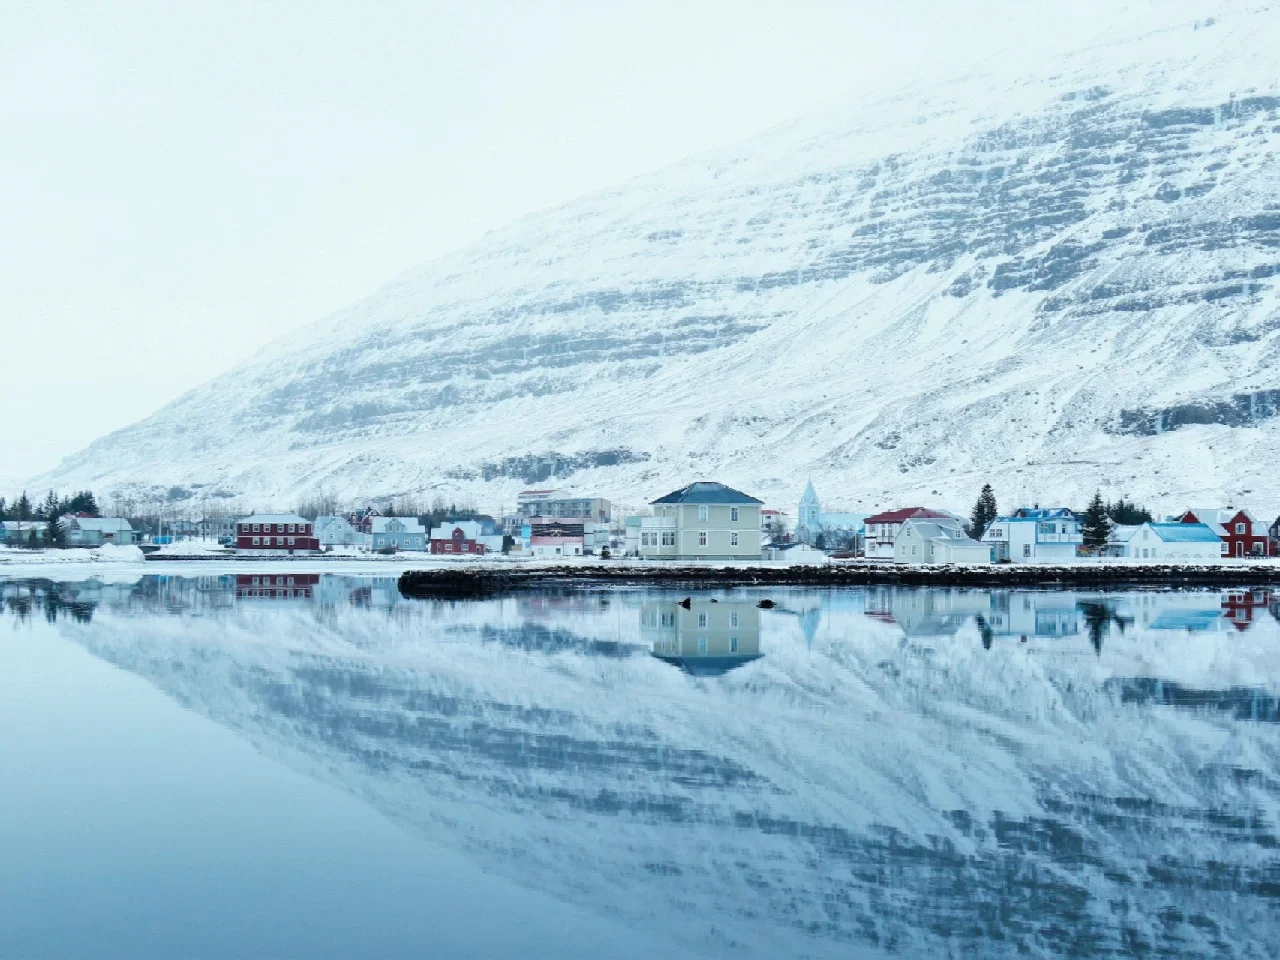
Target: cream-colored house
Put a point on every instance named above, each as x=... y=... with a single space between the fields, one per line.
x=703 y=521
x=937 y=541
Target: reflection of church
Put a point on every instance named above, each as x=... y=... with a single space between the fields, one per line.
x=707 y=639
x=811 y=521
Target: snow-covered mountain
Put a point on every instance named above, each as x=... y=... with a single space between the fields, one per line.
x=1051 y=283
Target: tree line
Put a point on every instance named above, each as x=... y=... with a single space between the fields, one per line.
x=51 y=507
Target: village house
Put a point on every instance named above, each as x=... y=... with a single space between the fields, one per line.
x=547 y=537
x=702 y=521
x=335 y=531
x=1035 y=535
x=1173 y=541
x=1240 y=534
x=937 y=540
x=462 y=537
x=217 y=528
x=397 y=533
x=274 y=535
x=24 y=533
x=881 y=529
x=95 y=531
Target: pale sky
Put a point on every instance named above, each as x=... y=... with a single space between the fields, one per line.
x=181 y=182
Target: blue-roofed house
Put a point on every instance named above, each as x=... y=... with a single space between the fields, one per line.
x=703 y=521
x=1035 y=535
x=1174 y=541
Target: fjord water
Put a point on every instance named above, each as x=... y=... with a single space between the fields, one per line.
x=234 y=766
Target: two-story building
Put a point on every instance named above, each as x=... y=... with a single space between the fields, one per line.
x=335 y=531
x=560 y=505
x=397 y=533
x=881 y=529
x=1035 y=535
x=1240 y=534
x=274 y=535
x=703 y=521
x=461 y=538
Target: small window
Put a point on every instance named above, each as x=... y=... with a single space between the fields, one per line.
x=733 y=538
x=702 y=512
x=256 y=528
x=291 y=528
x=291 y=541
x=733 y=514
x=1026 y=549
x=913 y=549
x=733 y=619
x=702 y=644
x=733 y=644
x=255 y=541
x=702 y=538
x=1239 y=528
x=702 y=620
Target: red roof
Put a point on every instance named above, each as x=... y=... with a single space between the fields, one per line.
x=907 y=513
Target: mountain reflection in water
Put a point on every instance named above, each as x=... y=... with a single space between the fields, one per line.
x=918 y=772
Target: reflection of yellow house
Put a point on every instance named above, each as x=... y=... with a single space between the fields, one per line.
x=706 y=639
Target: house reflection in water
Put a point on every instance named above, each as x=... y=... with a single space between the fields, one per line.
x=289 y=586
x=707 y=639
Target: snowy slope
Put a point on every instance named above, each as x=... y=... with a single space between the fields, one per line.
x=1052 y=283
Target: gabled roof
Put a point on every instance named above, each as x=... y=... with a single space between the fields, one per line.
x=707 y=492
x=1038 y=513
x=406 y=525
x=274 y=518
x=907 y=513
x=1184 y=532
x=105 y=524
x=947 y=529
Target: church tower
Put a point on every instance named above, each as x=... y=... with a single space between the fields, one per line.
x=809 y=516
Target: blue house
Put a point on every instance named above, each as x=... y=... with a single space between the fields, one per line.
x=1035 y=535
x=402 y=533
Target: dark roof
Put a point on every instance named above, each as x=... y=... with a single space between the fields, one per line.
x=907 y=513
x=704 y=492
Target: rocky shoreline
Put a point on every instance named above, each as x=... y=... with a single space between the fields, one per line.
x=483 y=581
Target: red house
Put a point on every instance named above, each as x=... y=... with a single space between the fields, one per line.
x=275 y=535
x=456 y=542
x=881 y=528
x=1241 y=535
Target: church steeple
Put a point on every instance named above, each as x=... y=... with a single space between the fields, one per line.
x=809 y=516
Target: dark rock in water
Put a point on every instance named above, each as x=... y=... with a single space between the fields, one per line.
x=766 y=604
x=686 y=603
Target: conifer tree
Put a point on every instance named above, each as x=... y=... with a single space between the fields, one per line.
x=1097 y=525
x=57 y=535
x=50 y=508
x=984 y=511
x=22 y=509
x=4 y=514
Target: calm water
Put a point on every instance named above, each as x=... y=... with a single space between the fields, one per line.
x=213 y=767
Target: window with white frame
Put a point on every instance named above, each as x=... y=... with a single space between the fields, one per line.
x=702 y=621
x=733 y=619
x=1239 y=528
x=255 y=541
x=733 y=538
x=669 y=538
x=702 y=512
x=1026 y=549
x=702 y=538
x=291 y=541
x=733 y=514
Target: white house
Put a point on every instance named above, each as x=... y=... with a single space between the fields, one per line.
x=1174 y=541
x=937 y=540
x=333 y=531
x=1117 y=544
x=402 y=533
x=1035 y=535
x=95 y=531
x=881 y=529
